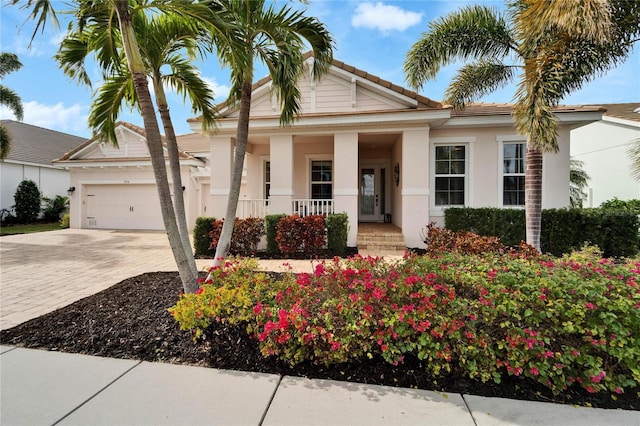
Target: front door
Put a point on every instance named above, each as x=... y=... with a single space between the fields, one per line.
x=373 y=182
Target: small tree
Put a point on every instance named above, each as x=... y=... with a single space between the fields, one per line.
x=27 y=201
x=54 y=207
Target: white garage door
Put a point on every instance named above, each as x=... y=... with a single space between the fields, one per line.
x=131 y=206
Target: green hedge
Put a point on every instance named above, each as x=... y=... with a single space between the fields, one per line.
x=271 y=223
x=201 y=239
x=615 y=232
x=337 y=232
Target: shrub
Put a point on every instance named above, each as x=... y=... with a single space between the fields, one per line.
x=616 y=204
x=560 y=322
x=65 y=221
x=337 y=232
x=301 y=235
x=440 y=240
x=245 y=238
x=271 y=223
x=54 y=207
x=201 y=239
x=562 y=229
x=27 y=199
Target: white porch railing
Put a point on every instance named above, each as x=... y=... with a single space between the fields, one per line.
x=305 y=207
x=252 y=208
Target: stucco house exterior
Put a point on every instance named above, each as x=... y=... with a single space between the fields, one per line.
x=363 y=146
x=114 y=187
x=33 y=150
x=603 y=148
x=377 y=151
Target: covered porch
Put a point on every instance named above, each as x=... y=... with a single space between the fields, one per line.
x=374 y=176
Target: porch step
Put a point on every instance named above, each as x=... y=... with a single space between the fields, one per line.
x=380 y=240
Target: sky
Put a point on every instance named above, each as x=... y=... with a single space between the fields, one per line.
x=373 y=36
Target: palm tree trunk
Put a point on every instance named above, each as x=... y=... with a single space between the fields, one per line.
x=154 y=143
x=174 y=167
x=236 y=178
x=533 y=196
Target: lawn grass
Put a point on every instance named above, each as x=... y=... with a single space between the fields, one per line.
x=27 y=229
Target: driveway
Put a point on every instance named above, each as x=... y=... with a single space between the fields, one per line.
x=42 y=272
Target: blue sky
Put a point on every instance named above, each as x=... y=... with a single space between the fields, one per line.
x=372 y=36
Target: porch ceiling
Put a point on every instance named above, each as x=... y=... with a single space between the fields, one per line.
x=365 y=140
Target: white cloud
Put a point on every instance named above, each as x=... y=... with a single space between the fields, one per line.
x=220 y=91
x=384 y=17
x=69 y=119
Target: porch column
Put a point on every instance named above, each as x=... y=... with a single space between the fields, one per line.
x=281 y=157
x=345 y=180
x=221 y=165
x=415 y=185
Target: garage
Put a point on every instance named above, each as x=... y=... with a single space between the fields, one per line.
x=121 y=206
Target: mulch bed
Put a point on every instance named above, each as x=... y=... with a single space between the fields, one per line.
x=130 y=320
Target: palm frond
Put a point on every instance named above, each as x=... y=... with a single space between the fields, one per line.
x=9 y=63
x=5 y=142
x=41 y=12
x=11 y=100
x=116 y=92
x=476 y=80
x=473 y=32
x=188 y=82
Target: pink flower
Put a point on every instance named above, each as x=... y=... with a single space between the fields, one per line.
x=590 y=305
x=335 y=346
x=599 y=377
x=590 y=389
x=534 y=371
x=257 y=309
x=199 y=290
x=377 y=293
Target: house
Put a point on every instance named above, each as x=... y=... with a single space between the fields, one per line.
x=377 y=151
x=114 y=187
x=603 y=148
x=33 y=150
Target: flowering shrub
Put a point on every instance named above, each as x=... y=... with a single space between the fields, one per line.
x=297 y=234
x=574 y=320
x=246 y=235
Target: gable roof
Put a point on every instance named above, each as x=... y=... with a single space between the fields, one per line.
x=422 y=102
x=76 y=153
x=37 y=145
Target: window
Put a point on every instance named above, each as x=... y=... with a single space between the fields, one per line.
x=267 y=179
x=321 y=179
x=450 y=175
x=513 y=164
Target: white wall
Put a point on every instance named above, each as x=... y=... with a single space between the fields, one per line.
x=602 y=146
x=50 y=181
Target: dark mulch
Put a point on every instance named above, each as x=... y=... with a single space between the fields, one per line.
x=130 y=320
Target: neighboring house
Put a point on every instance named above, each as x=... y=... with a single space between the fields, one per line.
x=603 y=148
x=379 y=152
x=114 y=187
x=33 y=150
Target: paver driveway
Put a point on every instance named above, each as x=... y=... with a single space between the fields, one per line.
x=44 y=271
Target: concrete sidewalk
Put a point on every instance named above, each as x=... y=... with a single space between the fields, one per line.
x=52 y=388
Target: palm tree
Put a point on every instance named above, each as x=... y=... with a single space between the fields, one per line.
x=553 y=62
x=163 y=39
x=275 y=37
x=119 y=13
x=9 y=63
x=578 y=181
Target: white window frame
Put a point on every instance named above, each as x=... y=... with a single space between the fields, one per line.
x=468 y=143
x=320 y=157
x=502 y=141
x=264 y=160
